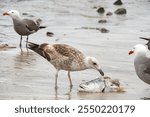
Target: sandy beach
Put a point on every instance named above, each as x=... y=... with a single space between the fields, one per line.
x=73 y=22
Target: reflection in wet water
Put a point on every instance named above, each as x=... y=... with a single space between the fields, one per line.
x=23 y=59
x=67 y=94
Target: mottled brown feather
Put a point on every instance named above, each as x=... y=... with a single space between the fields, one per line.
x=62 y=56
x=67 y=50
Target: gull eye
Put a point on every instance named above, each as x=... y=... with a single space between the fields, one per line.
x=94 y=63
x=12 y=12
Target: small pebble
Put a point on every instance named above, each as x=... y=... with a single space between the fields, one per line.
x=5 y=47
x=50 y=34
x=94 y=7
x=102 y=21
x=25 y=14
x=101 y=10
x=104 y=30
x=121 y=11
x=109 y=13
x=118 y=2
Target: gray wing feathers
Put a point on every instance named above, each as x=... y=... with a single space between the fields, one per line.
x=30 y=24
x=147 y=71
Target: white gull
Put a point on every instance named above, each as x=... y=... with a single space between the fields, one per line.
x=141 y=62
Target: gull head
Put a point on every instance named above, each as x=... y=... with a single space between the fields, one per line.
x=138 y=50
x=12 y=13
x=93 y=63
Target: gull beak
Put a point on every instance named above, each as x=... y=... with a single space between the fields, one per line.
x=101 y=72
x=130 y=52
x=6 y=13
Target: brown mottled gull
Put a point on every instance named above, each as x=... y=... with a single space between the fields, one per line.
x=65 y=57
x=24 y=27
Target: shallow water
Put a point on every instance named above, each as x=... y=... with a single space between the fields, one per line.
x=29 y=76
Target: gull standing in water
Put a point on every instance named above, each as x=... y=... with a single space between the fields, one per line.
x=65 y=57
x=24 y=27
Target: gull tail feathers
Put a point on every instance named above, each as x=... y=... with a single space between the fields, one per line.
x=39 y=49
x=42 y=27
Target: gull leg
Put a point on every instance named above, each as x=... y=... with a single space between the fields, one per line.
x=56 y=76
x=20 y=42
x=70 y=79
x=27 y=41
x=27 y=44
x=20 y=45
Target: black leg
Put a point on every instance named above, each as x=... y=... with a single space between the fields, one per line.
x=27 y=41
x=27 y=45
x=20 y=42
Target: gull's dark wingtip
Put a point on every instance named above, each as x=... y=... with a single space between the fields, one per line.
x=148 y=39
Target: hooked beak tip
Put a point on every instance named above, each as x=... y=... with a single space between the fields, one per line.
x=101 y=72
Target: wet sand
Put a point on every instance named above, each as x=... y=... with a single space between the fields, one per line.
x=29 y=76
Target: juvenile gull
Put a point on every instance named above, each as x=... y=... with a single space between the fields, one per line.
x=141 y=62
x=65 y=57
x=24 y=27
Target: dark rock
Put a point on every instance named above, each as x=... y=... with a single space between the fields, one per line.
x=121 y=11
x=102 y=21
x=101 y=10
x=5 y=47
x=50 y=34
x=109 y=13
x=94 y=7
x=118 y=2
x=25 y=14
x=104 y=30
